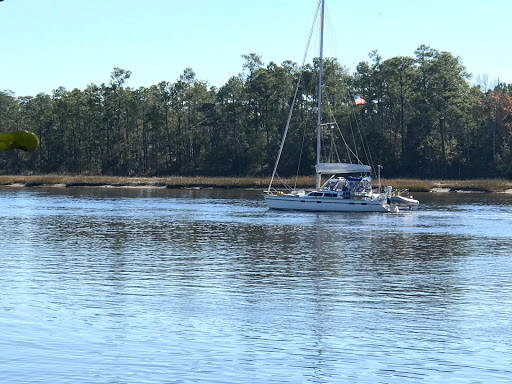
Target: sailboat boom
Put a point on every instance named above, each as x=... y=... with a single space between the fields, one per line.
x=343 y=168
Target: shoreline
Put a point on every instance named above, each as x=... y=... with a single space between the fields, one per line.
x=198 y=182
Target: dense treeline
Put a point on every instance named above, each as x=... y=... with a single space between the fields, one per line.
x=421 y=119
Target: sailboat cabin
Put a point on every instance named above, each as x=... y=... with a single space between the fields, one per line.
x=357 y=188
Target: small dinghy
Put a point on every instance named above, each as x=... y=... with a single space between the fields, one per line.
x=402 y=201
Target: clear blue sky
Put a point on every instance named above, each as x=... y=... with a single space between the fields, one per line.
x=72 y=43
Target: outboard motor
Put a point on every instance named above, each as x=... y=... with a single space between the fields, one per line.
x=389 y=190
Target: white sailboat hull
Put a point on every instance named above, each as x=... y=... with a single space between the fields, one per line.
x=326 y=204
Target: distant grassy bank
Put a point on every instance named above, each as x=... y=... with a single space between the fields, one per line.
x=413 y=185
x=114 y=181
x=476 y=185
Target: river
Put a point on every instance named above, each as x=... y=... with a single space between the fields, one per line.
x=118 y=285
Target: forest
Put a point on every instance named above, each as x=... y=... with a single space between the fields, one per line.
x=422 y=119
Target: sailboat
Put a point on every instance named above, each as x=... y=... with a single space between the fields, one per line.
x=351 y=192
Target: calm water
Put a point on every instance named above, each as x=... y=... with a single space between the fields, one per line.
x=163 y=286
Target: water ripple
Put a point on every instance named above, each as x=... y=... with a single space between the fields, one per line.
x=152 y=286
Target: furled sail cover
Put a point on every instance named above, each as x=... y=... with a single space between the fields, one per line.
x=332 y=168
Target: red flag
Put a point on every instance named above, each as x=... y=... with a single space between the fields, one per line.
x=358 y=100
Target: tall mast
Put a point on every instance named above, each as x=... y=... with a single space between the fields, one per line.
x=319 y=121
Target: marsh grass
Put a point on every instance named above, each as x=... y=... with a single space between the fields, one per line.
x=477 y=185
x=168 y=182
x=413 y=185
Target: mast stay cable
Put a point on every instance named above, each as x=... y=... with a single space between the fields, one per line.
x=294 y=97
